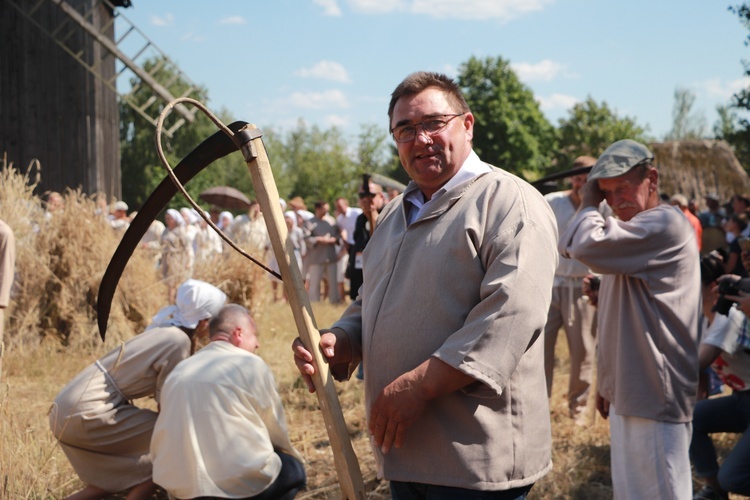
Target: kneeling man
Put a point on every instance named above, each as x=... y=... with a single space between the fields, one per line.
x=221 y=431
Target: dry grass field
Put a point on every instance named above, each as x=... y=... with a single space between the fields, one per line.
x=51 y=335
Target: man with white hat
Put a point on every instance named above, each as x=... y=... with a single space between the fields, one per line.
x=105 y=436
x=120 y=219
x=648 y=321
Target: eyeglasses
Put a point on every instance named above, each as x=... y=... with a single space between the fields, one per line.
x=431 y=126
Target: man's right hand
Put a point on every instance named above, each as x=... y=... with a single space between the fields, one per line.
x=336 y=349
x=591 y=195
x=602 y=405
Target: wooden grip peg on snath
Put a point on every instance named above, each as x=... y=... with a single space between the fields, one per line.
x=249 y=141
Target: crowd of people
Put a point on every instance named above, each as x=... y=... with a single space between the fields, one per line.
x=459 y=287
x=322 y=242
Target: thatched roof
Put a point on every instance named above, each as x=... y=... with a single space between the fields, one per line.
x=695 y=168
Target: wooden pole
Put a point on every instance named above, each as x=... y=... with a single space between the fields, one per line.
x=347 y=466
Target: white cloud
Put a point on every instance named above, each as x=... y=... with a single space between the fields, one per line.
x=330 y=7
x=191 y=36
x=502 y=10
x=557 y=101
x=545 y=70
x=318 y=100
x=377 y=6
x=325 y=70
x=233 y=20
x=450 y=70
x=336 y=121
x=716 y=89
x=165 y=20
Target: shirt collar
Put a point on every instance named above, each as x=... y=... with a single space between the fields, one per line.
x=471 y=168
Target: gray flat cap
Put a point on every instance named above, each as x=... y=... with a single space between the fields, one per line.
x=619 y=158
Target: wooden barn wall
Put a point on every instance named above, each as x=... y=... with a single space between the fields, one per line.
x=52 y=108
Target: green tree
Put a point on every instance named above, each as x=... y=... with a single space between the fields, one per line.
x=736 y=128
x=510 y=130
x=317 y=162
x=726 y=125
x=377 y=154
x=141 y=169
x=686 y=125
x=590 y=128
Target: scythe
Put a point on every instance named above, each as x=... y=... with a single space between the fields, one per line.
x=247 y=138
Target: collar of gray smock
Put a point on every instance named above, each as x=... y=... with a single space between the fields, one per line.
x=472 y=167
x=619 y=158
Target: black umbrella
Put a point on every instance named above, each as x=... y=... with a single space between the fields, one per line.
x=225 y=197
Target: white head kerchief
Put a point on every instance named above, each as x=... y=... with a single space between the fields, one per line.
x=196 y=300
x=225 y=215
x=291 y=215
x=189 y=216
x=177 y=216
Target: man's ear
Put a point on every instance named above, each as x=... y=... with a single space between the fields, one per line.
x=469 y=125
x=236 y=336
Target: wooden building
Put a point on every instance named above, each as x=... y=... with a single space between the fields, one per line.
x=51 y=106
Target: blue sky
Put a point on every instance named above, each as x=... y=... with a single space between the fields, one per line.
x=335 y=62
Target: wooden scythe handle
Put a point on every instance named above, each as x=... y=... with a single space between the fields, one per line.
x=347 y=466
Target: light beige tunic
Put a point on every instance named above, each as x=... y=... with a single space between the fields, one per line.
x=220 y=421
x=468 y=282
x=649 y=303
x=105 y=437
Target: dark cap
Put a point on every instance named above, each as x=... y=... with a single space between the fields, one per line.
x=712 y=196
x=619 y=158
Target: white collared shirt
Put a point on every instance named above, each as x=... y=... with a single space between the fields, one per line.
x=471 y=168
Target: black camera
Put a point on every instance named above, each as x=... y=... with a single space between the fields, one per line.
x=594 y=283
x=723 y=304
x=364 y=190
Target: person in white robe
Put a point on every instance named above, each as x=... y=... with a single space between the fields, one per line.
x=222 y=432
x=104 y=435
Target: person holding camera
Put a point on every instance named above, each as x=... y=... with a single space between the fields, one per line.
x=647 y=368
x=725 y=348
x=735 y=226
x=371 y=201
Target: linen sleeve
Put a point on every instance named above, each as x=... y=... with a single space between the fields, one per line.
x=515 y=294
x=272 y=413
x=725 y=331
x=612 y=246
x=351 y=323
x=166 y=363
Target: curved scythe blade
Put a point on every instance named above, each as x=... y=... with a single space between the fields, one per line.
x=561 y=175
x=215 y=147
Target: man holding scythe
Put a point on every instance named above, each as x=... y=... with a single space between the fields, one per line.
x=450 y=320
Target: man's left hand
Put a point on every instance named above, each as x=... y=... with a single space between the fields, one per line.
x=402 y=401
x=396 y=408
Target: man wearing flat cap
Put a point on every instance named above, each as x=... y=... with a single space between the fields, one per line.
x=119 y=219
x=647 y=324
